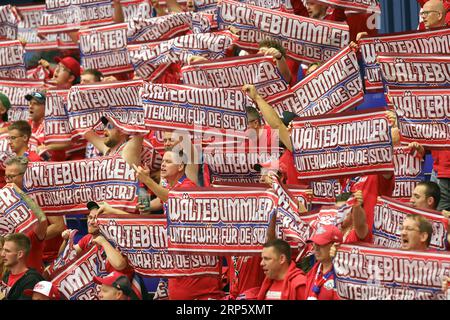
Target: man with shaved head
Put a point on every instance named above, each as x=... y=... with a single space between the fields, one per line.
x=433 y=14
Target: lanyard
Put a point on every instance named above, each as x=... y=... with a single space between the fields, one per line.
x=349 y=187
x=319 y=281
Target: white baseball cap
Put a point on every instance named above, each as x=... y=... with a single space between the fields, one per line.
x=46 y=288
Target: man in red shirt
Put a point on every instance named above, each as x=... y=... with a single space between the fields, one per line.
x=286 y=66
x=245 y=277
x=15 y=168
x=177 y=141
x=19 y=135
x=416 y=233
x=320 y=279
x=434 y=14
x=441 y=165
x=115 y=261
x=49 y=152
x=117 y=142
x=115 y=286
x=286 y=161
x=19 y=276
x=284 y=281
x=173 y=177
x=354 y=226
x=67 y=72
x=426 y=195
x=371 y=186
x=357 y=21
x=316 y=10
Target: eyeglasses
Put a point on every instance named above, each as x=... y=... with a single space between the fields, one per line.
x=110 y=126
x=12 y=138
x=409 y=229
x=10 y=177
x=426 y=13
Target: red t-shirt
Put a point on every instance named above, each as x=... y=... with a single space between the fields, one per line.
x=299 y=8
x=12 y=279
x=250 y=274
x=34 y=259
x=86 y=243
x=171 y=75
x=261 y=143
x=51 y=247
x=275 y=290
x=38 y=133
x=287 y=168
x=184 y=184
x=195 y=288
x=293 y=66
x=32 y=156
x=441 y=163
x=352 y=237
x=372 y=186
x=327 y=287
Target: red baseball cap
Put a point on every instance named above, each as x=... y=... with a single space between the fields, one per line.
x=46 y=288
x=117 y=280
x=325 y=234
x=71 y=64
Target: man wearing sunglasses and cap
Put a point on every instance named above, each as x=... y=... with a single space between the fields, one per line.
x=117 y=142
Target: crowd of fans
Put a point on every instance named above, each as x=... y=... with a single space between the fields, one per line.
x=274 y=275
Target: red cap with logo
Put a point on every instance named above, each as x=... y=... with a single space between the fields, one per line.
x=326 y=234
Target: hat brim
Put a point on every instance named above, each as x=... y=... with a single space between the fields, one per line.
x=76 y=72
x=30 y=97
x=319 y=241
x=101 y=281
x=98 y=280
